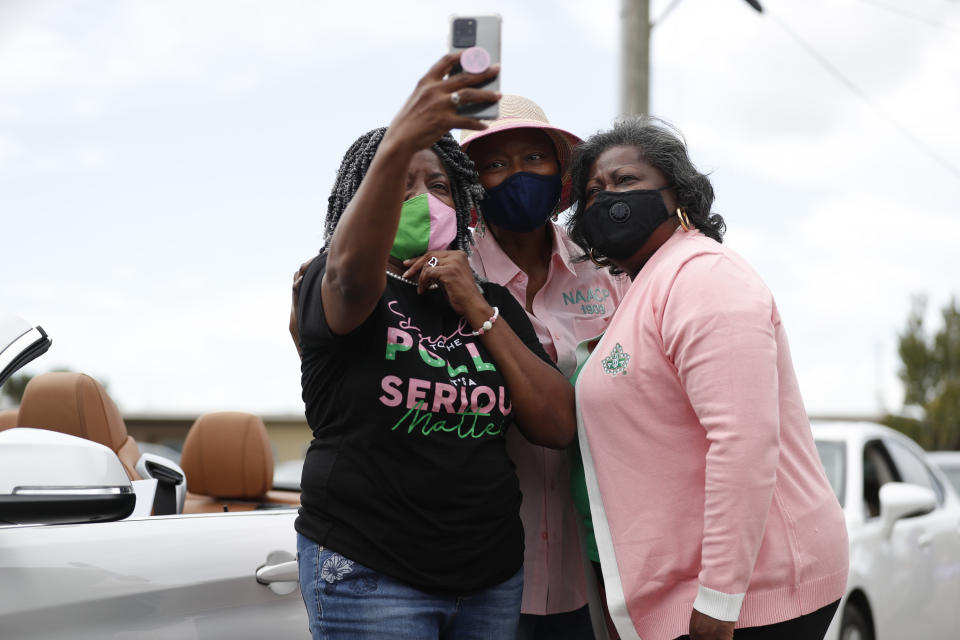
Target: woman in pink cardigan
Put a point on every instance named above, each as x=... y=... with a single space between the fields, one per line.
x=709 y=503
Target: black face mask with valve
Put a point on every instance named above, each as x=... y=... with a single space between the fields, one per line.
x=618 y=223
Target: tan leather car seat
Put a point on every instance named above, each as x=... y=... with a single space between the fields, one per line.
x=8 y=418
x=78 y=405
x=229 y=465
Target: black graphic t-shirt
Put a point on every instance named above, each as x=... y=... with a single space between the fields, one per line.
x=407 y=472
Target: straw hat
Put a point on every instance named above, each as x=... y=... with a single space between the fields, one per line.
x=517 y=112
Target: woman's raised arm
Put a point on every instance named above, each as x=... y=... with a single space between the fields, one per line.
x=355 y=274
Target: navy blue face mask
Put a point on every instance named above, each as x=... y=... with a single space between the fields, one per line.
x=522 y=202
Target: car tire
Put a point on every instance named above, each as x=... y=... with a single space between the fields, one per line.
x=854 y=625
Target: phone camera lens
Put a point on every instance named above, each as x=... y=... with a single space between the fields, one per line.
x=464 y=32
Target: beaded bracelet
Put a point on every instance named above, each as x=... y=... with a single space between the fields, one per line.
x=488 y=324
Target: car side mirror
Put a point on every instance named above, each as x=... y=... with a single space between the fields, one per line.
x=900 y=500
x=47 y=477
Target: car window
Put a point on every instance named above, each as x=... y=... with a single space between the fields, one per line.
x=953 y=475
x=911 y=468
x=878 y=470
x=833 y=456
x=949 y=464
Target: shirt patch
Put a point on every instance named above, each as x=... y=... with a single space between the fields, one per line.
x=616 y=363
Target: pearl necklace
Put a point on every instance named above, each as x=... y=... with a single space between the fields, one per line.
x=400 y=278
x=411 y=282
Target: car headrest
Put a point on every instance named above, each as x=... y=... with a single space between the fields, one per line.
x=227 y=454
x=8 y=419
x=75 y=404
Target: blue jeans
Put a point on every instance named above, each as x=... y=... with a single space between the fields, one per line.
x=348 y=601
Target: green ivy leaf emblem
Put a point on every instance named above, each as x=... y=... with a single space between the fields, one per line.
x=616 y=362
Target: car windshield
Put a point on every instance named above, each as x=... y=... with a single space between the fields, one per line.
x=833 y=456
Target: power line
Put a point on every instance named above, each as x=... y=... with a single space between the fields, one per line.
x=849 y=84
x=908 y=14
x=666 y=12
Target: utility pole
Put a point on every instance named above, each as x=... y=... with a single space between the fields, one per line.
x=635 y=27
x=634 y=57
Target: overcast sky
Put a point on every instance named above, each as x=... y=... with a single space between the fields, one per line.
x=164 y=167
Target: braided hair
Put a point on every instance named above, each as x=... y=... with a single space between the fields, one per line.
x=464 y=182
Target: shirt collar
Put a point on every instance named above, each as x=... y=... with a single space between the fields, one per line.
x=497 y=265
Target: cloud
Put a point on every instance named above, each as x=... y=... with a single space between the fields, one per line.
x=31 y=57
x=10 y=151
x=177 y=157
x=141 y=41
x=755 y=81
x=227 y=348
x=17 y=160
x=844 y=276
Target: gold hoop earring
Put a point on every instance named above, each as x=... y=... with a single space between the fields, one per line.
x=684 y=219
x=594 y=260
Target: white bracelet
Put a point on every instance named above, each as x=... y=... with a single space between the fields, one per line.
x=488 y=324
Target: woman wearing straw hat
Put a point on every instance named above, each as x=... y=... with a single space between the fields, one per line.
x=524 y=162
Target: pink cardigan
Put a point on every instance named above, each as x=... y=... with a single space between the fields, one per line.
x=705 y=486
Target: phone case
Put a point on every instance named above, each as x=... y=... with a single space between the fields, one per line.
x=487 y=36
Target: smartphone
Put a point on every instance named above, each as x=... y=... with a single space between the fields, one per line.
x=481 y=34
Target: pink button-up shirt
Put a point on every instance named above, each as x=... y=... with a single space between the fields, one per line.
x=575 y=304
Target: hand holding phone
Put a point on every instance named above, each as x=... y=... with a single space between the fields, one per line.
x=478 y=37
x=430 y=110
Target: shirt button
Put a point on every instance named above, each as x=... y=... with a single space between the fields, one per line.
x=544 y=535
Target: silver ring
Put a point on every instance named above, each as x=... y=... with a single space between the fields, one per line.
x=455 y=98
x=432 y=262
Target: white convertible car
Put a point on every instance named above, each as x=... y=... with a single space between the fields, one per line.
x=903 y=518
x=74 y=562
x=81 y=556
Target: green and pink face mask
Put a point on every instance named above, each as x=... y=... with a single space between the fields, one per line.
x=426 y=224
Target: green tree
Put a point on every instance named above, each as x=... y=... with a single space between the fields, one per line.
x=930 y=371
x=12 y=389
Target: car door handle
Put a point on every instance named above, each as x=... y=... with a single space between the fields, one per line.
x=924 y=540
x=280 y=573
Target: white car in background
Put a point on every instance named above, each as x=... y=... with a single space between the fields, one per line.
x=903 y=519
x=949 y=463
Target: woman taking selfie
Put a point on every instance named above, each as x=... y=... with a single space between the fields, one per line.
x=412 y=375
x=710 y=506
x=524 y=167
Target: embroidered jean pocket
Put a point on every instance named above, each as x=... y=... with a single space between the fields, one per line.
x=339 y=572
